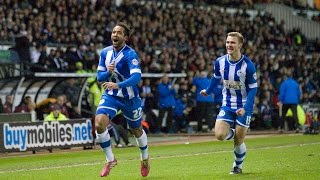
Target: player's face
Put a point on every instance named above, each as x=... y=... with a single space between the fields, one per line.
x=232 y=45
x=118 y=38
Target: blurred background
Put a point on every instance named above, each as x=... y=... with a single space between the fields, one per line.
x=49 y=51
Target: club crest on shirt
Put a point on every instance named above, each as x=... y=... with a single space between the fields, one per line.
x=255 y=76
x=240 y=73
x=135 y=62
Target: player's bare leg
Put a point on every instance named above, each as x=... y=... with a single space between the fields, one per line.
x=223 y=131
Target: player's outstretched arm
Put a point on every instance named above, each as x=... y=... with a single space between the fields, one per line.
x=250 y=99
x=103 y=76
x=213 y=83
x=133 y=80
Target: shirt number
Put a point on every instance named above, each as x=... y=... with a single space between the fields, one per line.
x=137 y=113
x=248 y=119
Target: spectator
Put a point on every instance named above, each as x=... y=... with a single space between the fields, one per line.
x=113 y=131
x=55 y=114
x=184 y=91
x=7 y=106
x=166 y=105
x=275 y=115
x=61 y=102
x=35 y=53
x=205 y=104
x=71 y=89
x=1 y=106
x=146 y=95
x=180 y=114
x=120 y=125
x=44 y=64
x=43 y=108
x=79 y=68
x=94 y=92
x=148 y=104
x=265 y=112
x=217 y=102
x=26 y=105
x=289 y=99
x=52 y=61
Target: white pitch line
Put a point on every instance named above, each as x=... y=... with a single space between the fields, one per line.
x=161 y=157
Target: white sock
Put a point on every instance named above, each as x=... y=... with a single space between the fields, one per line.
x=142 y=142
x=104 y=141
x=230 y=134
x=239 y=155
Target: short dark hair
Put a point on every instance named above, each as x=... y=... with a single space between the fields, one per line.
x=27 y=97
x=126 y=28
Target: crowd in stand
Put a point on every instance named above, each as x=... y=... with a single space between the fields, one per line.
x=169 y=39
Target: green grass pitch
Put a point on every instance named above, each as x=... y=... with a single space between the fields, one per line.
x=274 y=157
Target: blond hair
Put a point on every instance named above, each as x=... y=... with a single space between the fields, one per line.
x=238 y=35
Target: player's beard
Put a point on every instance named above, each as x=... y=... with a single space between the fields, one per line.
x=118 y=44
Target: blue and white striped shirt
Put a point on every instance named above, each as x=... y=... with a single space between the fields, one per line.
x=239 y=78
x=126 y=64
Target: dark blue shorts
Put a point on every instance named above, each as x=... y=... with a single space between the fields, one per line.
x=131 y=109
x=231 y=117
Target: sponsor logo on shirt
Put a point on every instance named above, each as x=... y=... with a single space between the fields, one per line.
x=232 y=84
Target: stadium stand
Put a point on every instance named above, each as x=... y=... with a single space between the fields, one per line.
x=170 y=37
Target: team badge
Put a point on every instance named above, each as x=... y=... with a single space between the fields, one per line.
x=255 y=76
x=238 y=73
x=101 y=101
x=135 y=62
x=222 y=113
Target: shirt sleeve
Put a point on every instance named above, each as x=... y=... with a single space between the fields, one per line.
x=102 y=74
x=216 y=71
x=134 y=63
x=251 y=80
x=134 y=79
x=215 y=79
x=135 y=71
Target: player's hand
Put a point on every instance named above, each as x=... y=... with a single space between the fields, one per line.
x=111 y=67
x=110 y=85
x=279 y=103
x=240 y=112
x=203 y=92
